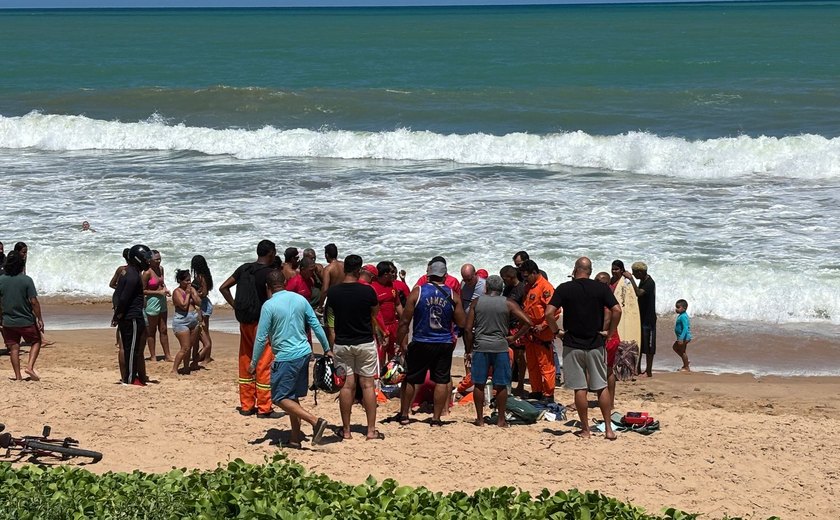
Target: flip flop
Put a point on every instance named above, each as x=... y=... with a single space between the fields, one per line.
x=318 y=431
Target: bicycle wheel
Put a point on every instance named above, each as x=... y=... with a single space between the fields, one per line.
x=64 y=451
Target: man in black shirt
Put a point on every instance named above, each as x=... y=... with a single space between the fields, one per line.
x=515 y=291
x=646 y=292
x=355 y=307
x=128 y=316
x=254 y=392
x=584 y=357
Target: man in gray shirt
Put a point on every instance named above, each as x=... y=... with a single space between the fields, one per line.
x=486 y=342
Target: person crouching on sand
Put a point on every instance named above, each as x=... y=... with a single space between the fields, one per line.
x=487 y=344
x=185 y=321
x=682 y=329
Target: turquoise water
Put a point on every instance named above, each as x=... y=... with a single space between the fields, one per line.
x=703 y=139
x=698 y=71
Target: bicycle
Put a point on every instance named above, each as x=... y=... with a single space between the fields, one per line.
x=42 y=446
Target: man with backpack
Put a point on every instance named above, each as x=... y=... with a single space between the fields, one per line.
x=251 y=293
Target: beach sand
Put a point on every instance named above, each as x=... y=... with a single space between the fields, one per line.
x=729 y=444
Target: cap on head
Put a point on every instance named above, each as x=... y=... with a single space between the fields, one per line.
x=639 y=266
x=370 y=268
x=436 y=269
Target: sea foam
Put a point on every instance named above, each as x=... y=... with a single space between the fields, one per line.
x=801 y=156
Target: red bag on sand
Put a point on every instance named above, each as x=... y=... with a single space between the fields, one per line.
x=637 y=418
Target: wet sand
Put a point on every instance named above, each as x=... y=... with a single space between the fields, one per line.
x=729 y=444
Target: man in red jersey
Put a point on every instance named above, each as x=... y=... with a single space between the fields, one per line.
x=390 y=308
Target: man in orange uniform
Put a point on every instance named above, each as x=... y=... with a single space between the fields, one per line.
x=254 y=393
x=539 y=344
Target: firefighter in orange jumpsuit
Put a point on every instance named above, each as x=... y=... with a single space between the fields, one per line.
x=539 y=344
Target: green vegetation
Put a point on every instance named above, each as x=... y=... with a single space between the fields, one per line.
x=279 y=489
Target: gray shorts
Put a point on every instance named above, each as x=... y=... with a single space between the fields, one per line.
x=577 y=363
x=361 y=360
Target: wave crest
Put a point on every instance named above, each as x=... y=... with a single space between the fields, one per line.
x=802 y=156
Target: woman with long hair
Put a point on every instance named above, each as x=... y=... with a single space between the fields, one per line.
x=203 y=284
x=156 y=292
x=185 y=321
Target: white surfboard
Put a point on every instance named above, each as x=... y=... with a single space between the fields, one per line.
x=630 y=326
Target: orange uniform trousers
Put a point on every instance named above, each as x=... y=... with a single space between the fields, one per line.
x=254 y=391
x=541 y=368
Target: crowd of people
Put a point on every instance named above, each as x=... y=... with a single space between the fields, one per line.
x=365 y=317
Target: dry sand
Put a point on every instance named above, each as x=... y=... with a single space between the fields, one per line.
x=733 y=445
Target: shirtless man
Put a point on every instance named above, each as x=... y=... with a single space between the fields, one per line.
x=333 y=274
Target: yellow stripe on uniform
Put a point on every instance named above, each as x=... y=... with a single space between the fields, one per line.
x=263 y=387
x=246 y=381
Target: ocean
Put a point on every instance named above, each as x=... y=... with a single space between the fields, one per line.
x=702 y=139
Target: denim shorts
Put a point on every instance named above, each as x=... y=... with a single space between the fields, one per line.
x=482 y=362
x=184 y=322
x=290 y=379
x=206 y=306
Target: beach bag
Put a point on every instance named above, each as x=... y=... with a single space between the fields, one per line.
x=625 y=361
x=522 y=411
x=327 y=377
x=246 y=303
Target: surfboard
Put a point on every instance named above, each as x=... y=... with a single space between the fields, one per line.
x=630 y=326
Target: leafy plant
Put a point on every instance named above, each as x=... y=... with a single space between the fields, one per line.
x=279 y=489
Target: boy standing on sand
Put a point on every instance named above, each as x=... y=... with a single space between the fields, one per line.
x=682 y=329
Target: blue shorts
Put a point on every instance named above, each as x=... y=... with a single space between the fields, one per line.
x=184 y=322
x=290 y=379
x=206 y=306
x=499 y=362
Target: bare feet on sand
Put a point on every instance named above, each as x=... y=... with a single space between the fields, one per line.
x=33 y=375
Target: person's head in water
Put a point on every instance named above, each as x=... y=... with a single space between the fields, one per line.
x=199 y=267
x=603 y=277
x=681 y=306
x=86 y=226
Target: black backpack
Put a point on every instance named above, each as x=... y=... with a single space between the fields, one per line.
x=327 y=377
x=247 y=303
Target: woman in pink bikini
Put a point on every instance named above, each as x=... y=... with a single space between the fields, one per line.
x=156 y=311
x=185 y=322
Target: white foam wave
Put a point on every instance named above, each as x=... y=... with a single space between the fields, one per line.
x=802 y=156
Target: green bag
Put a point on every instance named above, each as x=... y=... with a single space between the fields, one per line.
x=522 y=412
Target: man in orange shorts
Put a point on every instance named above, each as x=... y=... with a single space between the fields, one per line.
x=539 y=344
x=254 y=392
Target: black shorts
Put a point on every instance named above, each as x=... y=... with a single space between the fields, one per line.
x=648 y=346
x=429 y=357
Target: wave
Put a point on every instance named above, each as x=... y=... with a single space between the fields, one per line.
x=802 y=156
